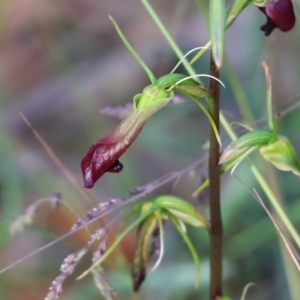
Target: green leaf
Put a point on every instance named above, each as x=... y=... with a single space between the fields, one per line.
x=133 y=52
x=237 y=7
x=217 y=17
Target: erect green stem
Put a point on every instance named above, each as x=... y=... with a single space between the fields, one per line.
x=275 y=127
x=214 y=193
x=269 y=97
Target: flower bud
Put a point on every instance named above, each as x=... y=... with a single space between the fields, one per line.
x=282 y=155
x=239 y=149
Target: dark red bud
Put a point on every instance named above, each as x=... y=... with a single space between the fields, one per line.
x=280 y=14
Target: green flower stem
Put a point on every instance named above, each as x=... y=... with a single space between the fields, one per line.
x=269 y=98
x=275 y=127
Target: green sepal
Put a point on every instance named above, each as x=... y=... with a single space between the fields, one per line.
x=196 y=90
x=179 y=83
x=182 y=210
x=169 y=80
x=261 y=3
x=151 y=100
x=282 y=155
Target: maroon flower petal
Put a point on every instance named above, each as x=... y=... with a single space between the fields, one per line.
x=280 y=14
x=104 y=155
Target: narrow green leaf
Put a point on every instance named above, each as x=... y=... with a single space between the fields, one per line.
x=237 y=7
x=133 y=52
x=217 y=18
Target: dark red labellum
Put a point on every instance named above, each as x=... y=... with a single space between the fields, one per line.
x=280 y=14
x=116 y=167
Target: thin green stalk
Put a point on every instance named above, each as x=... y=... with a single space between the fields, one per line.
x=269 y=97
x=167 y=36
x=133 y=52
x=238 y=91
x=281 y=213
x=216 y=236
x=292 y=273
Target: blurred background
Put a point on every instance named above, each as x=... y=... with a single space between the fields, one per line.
x=61 y=63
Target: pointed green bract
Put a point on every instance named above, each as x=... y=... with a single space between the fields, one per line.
x=237 y=7
x=182 y=210
x=133 y=52
x=217 y=17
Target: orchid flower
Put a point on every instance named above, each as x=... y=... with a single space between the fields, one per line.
x=104 y=154
x=280 y=14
